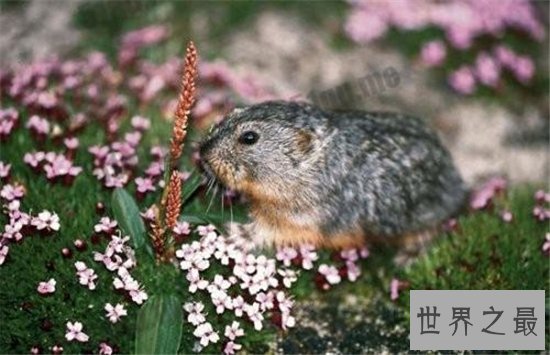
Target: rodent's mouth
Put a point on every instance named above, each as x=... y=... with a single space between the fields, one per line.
x=219 y=172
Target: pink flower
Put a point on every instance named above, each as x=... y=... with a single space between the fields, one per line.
x=145 y=36
x=286 y=255
x=155 y=169
x=115 y=313
x=61 y=166
x=4 y=170
x=74 y=331
x=86 y=276
x=141 y=123
x=47 y=287
x=38 y=125
x=484 y=195
x=132 y=138
x=505 y=56
x=105 y=225
x=71 y=143
x=462 y=80
x=331 y=273
x=541 y=196
x=105 y=349
x=144 y=185
x=149 y=214
x=206 y=334
x=487 y=70
x=433 y=53
x=11 y=192
x=394 y=289
x=205 y=230
x=182 y=228
x=524 y=69
x=541 y=213
x=546 y=245
x=506 y=216
x=46 y=220
x=34 y=159
x=12 y=230
x=4 y=250
x=231 y=348
x=353 y=271
x=308 y=254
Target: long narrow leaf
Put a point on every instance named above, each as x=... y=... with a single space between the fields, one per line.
x=159 y=326
x=127 y=215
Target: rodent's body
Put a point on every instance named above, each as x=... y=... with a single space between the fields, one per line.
x=333 y=178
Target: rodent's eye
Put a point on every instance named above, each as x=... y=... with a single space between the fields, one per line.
x=249 y=138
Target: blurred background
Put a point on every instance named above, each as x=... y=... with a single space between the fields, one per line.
x=478 y=70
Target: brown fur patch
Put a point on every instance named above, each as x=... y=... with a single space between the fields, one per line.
x=303 y=141
x=345 y=241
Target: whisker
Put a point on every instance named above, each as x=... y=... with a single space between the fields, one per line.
x=212 y=198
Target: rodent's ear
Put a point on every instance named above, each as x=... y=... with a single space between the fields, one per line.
x=304 y=141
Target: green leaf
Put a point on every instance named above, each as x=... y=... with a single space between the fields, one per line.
x=159 y=326
x=191 y=185
x=127 y=215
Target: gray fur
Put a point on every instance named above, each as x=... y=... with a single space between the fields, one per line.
x=384 y=173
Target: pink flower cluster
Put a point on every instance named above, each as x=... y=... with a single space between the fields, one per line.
x=462 y=22
x=541 y=210
x=119 y=257
x=114 y=164
x=482 y=197
x=153 y=174
x=488 y=68
x=9 y=119
x=133 y=41
x=329 y=275
x=20 y=223
x=56 y=166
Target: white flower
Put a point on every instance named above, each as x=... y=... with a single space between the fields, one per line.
x=289 y=276
x=255 y=315
x=238 y=306
x=285 y=303
x=265 y=300
x=195 y=309
x=195 y=281
x=221 y=301
x=233 y=331
x=206 y=334
x=74 y=331
x=331 y=273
